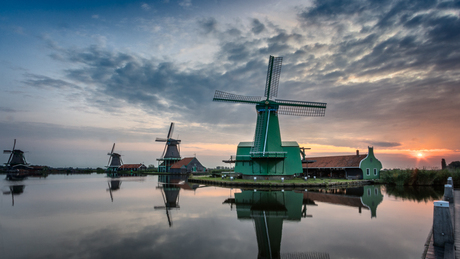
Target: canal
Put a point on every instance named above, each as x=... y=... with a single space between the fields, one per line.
x=91 y=216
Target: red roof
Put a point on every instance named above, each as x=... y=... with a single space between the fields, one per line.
x=131 y=166
x=182 y=162
x=335 y=161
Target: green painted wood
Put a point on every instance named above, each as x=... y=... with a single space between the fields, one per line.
x=267 y=156
x=370 y=166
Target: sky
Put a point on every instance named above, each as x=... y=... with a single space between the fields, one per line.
x=78 y=76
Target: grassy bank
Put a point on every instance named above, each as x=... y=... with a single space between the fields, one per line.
x=419 y=177
x=294 y=180
x=291 y=183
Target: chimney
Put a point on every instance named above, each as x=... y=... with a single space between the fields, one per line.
x=357 y=152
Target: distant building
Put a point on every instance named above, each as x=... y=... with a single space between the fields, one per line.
x=352 y=167
x=187 y=165
x=132 y=167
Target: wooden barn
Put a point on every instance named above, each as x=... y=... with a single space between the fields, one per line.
x=357 y=166
x=187 y=165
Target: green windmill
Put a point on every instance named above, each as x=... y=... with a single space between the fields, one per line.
x=267 y=156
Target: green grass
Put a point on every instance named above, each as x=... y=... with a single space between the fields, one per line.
x=419 y=177
x=290 y=181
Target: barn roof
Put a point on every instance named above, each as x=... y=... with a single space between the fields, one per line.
x=131 y=166
x=182 y=162
x=335 y=161
x=334 y=199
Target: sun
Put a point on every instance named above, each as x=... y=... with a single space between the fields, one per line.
x=420 y=155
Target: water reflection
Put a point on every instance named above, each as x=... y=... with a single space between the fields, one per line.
x=415 y=193
x=364 y=197
x=71 y=215
x=114 y=185
x=268 y=210
x=170 y=186
x=14 y=190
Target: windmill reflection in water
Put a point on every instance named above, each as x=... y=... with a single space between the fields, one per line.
x=14 y=190
x=114 y=185
x=170 y=186
x=270 y=208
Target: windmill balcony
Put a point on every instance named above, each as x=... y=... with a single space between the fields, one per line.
x=169 y=159
x=270 y=154
x=242 y=158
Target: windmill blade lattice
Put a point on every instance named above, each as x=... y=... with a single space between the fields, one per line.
x=111 y=154
x=301 y=108
x=171 y=129
x=221 y=96
x=273 y=77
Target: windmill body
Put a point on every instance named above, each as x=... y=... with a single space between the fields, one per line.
x=171 y=152
x=16 y=158
x=114 y=160
x=267 y=156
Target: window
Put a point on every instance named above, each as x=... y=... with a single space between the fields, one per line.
x=368 y=171
x=369 y=192
x=375 y=171
x=376 y=192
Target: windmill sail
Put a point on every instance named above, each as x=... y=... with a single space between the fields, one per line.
x=220 y=96
x=171 y=129
x=273 y=77
x=267 y=154
x=301 y=108
x=171 y=151
x=16 y=156
x=114 y=159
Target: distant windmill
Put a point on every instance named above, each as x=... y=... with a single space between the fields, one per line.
x=267 y=155
x=16 y=156
x=171 y=152
x=114 y=160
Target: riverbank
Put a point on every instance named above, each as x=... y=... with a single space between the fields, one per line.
x=291 y=183
x=419 y=177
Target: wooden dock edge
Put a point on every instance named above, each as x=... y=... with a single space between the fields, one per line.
x=448 y=251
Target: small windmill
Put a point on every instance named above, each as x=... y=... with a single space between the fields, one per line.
x=16 y=156
x=268 y=155
x=171 y=152
x=114 y=160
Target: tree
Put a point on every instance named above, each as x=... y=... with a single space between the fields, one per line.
x=454 y=165
x=443 y=164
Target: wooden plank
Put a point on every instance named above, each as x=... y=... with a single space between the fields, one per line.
x=457 y=223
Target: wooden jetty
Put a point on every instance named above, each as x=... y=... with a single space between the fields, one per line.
x=443 y=241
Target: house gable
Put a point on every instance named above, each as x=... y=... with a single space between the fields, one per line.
x=370 y=166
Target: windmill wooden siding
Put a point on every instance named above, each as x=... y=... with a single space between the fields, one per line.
x=187 y=165
x=268 y=156
x=352 y=166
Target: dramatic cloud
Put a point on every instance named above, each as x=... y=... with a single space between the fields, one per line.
x=389 y=70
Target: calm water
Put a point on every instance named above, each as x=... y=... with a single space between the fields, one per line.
x=89 y=216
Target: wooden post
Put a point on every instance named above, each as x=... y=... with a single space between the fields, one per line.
x=448 y=193
x=450 y=181
x=443 y=231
